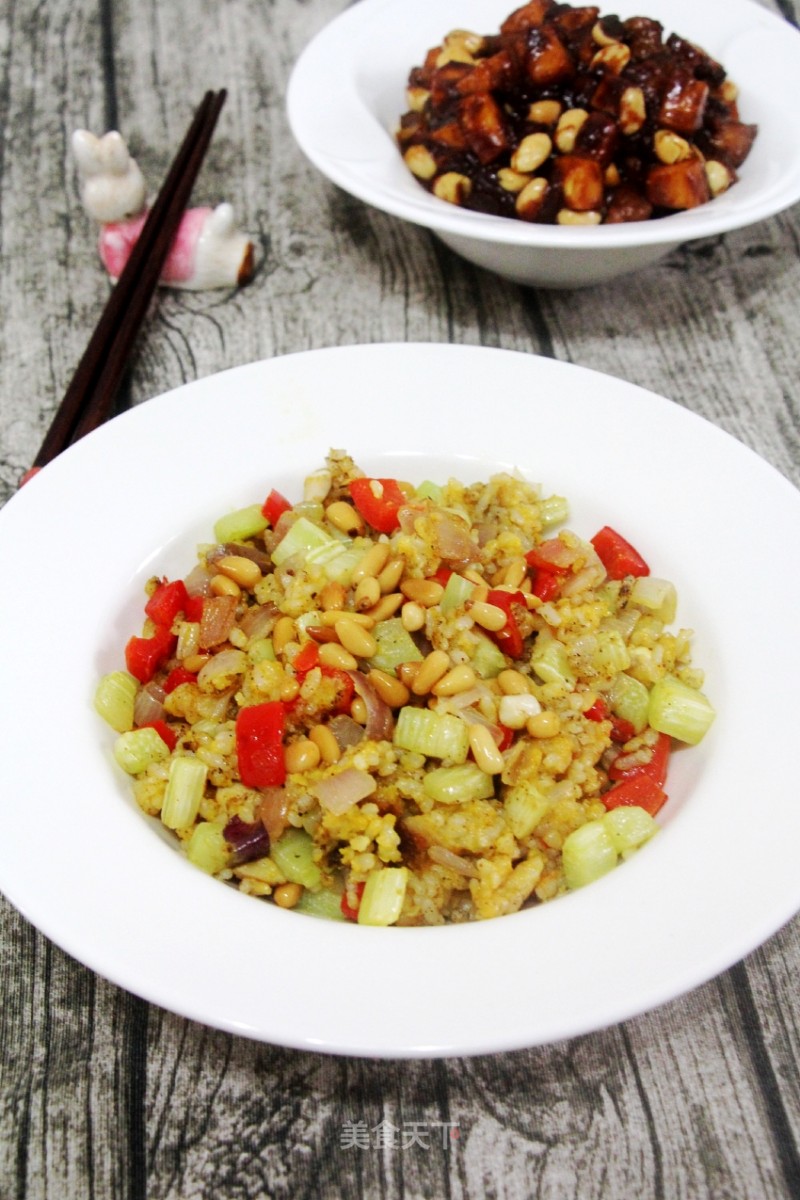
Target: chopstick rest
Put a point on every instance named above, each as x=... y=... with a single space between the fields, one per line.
x=208 y=251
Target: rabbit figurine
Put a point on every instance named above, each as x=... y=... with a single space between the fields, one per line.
x=208 y=250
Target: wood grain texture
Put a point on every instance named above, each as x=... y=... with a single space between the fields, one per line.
x=103 y=1095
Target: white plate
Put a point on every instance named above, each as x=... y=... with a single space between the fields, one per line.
x=133 y=499
x=347 y=93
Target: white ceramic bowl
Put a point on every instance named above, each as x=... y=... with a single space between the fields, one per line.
x=347 y=93
x=88 y=868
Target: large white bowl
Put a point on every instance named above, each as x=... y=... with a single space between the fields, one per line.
x=347 y=92
x=82 y=862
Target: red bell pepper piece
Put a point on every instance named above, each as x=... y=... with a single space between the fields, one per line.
x=655 y=768
x=166 y=602
x=442 y=575
x=143 y=656
x=639 y=790
x=274 y=507
x=176 y=677
x=546 y=584
x=378 y=501
x=509 y=638
x=193 y=608
x=618 y=556
x=259 y=744
x=307 y=659
x=167 y=734
x=621 y=730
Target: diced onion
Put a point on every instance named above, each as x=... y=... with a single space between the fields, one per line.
x=339 y=792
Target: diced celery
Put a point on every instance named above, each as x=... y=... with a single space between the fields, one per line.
x=185 y=787
x=301 y=538
x=524 y=807
x=679 y=710
x=429 y=491
x=630 y=699
x=437 y=735
x=339 y=568
x=325 y=902
x=610 y=654
x=395 y=646
x=135 y=749
x=587 y=854
x=293 y=854
x=629 y=827
x=550 y=662
x=553 y=510
x=114 y=699
x=207 y=847
x=240 y=525
x=455 y=785
x=658 y=596
x=261 y=649
x=456 y=593
x=322 y=556
x=383 y=896
x=487 y=659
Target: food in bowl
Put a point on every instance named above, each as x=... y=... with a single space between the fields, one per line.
x=569 y=117
x=411 y=705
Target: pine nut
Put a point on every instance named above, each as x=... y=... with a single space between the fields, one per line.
x=459 y=679
x=372 y=563
x=569 y=125
x=386 y=607
x=336 y=614
x=407 y=672
x=417 y=98
x=670 y=147
x=545 y=724
x=431 y=670
x=515 y=572
x=614 y=58
x=473 y=576
x=283 y=633
x=332 y=596
x=326 y=743
x=566 y=216
x=391 y=575
x=530 y=200
x=355 y=638
x=344 y=517
x=612 y=177
x=452 y=187
x=514 y=711
x=426 y=592
x=358 y=711
x=512 y=181
x=545 y=112
x=600 y=37
x=392 y=691
x=331 y=654
x=632 y=111
x=532 y=151
x=513 y=683
x=287 y=895
x=240 y=569
x=488 y=616
x=302 y=755
x=367 y=594
x=193 y=662
x=484 y=750
x=420 y=162
x=413 y=616
x=718 y=176
x=221 y=585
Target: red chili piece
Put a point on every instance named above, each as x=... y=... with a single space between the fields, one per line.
x=618 y=556
x=274 y=507
x=378 y=501
x=509 y=638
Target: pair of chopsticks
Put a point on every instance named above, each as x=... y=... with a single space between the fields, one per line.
x=89 y=399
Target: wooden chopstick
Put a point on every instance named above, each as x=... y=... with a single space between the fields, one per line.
x=89 y=398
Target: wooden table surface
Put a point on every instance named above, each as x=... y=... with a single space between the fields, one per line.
x=103 y=1095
